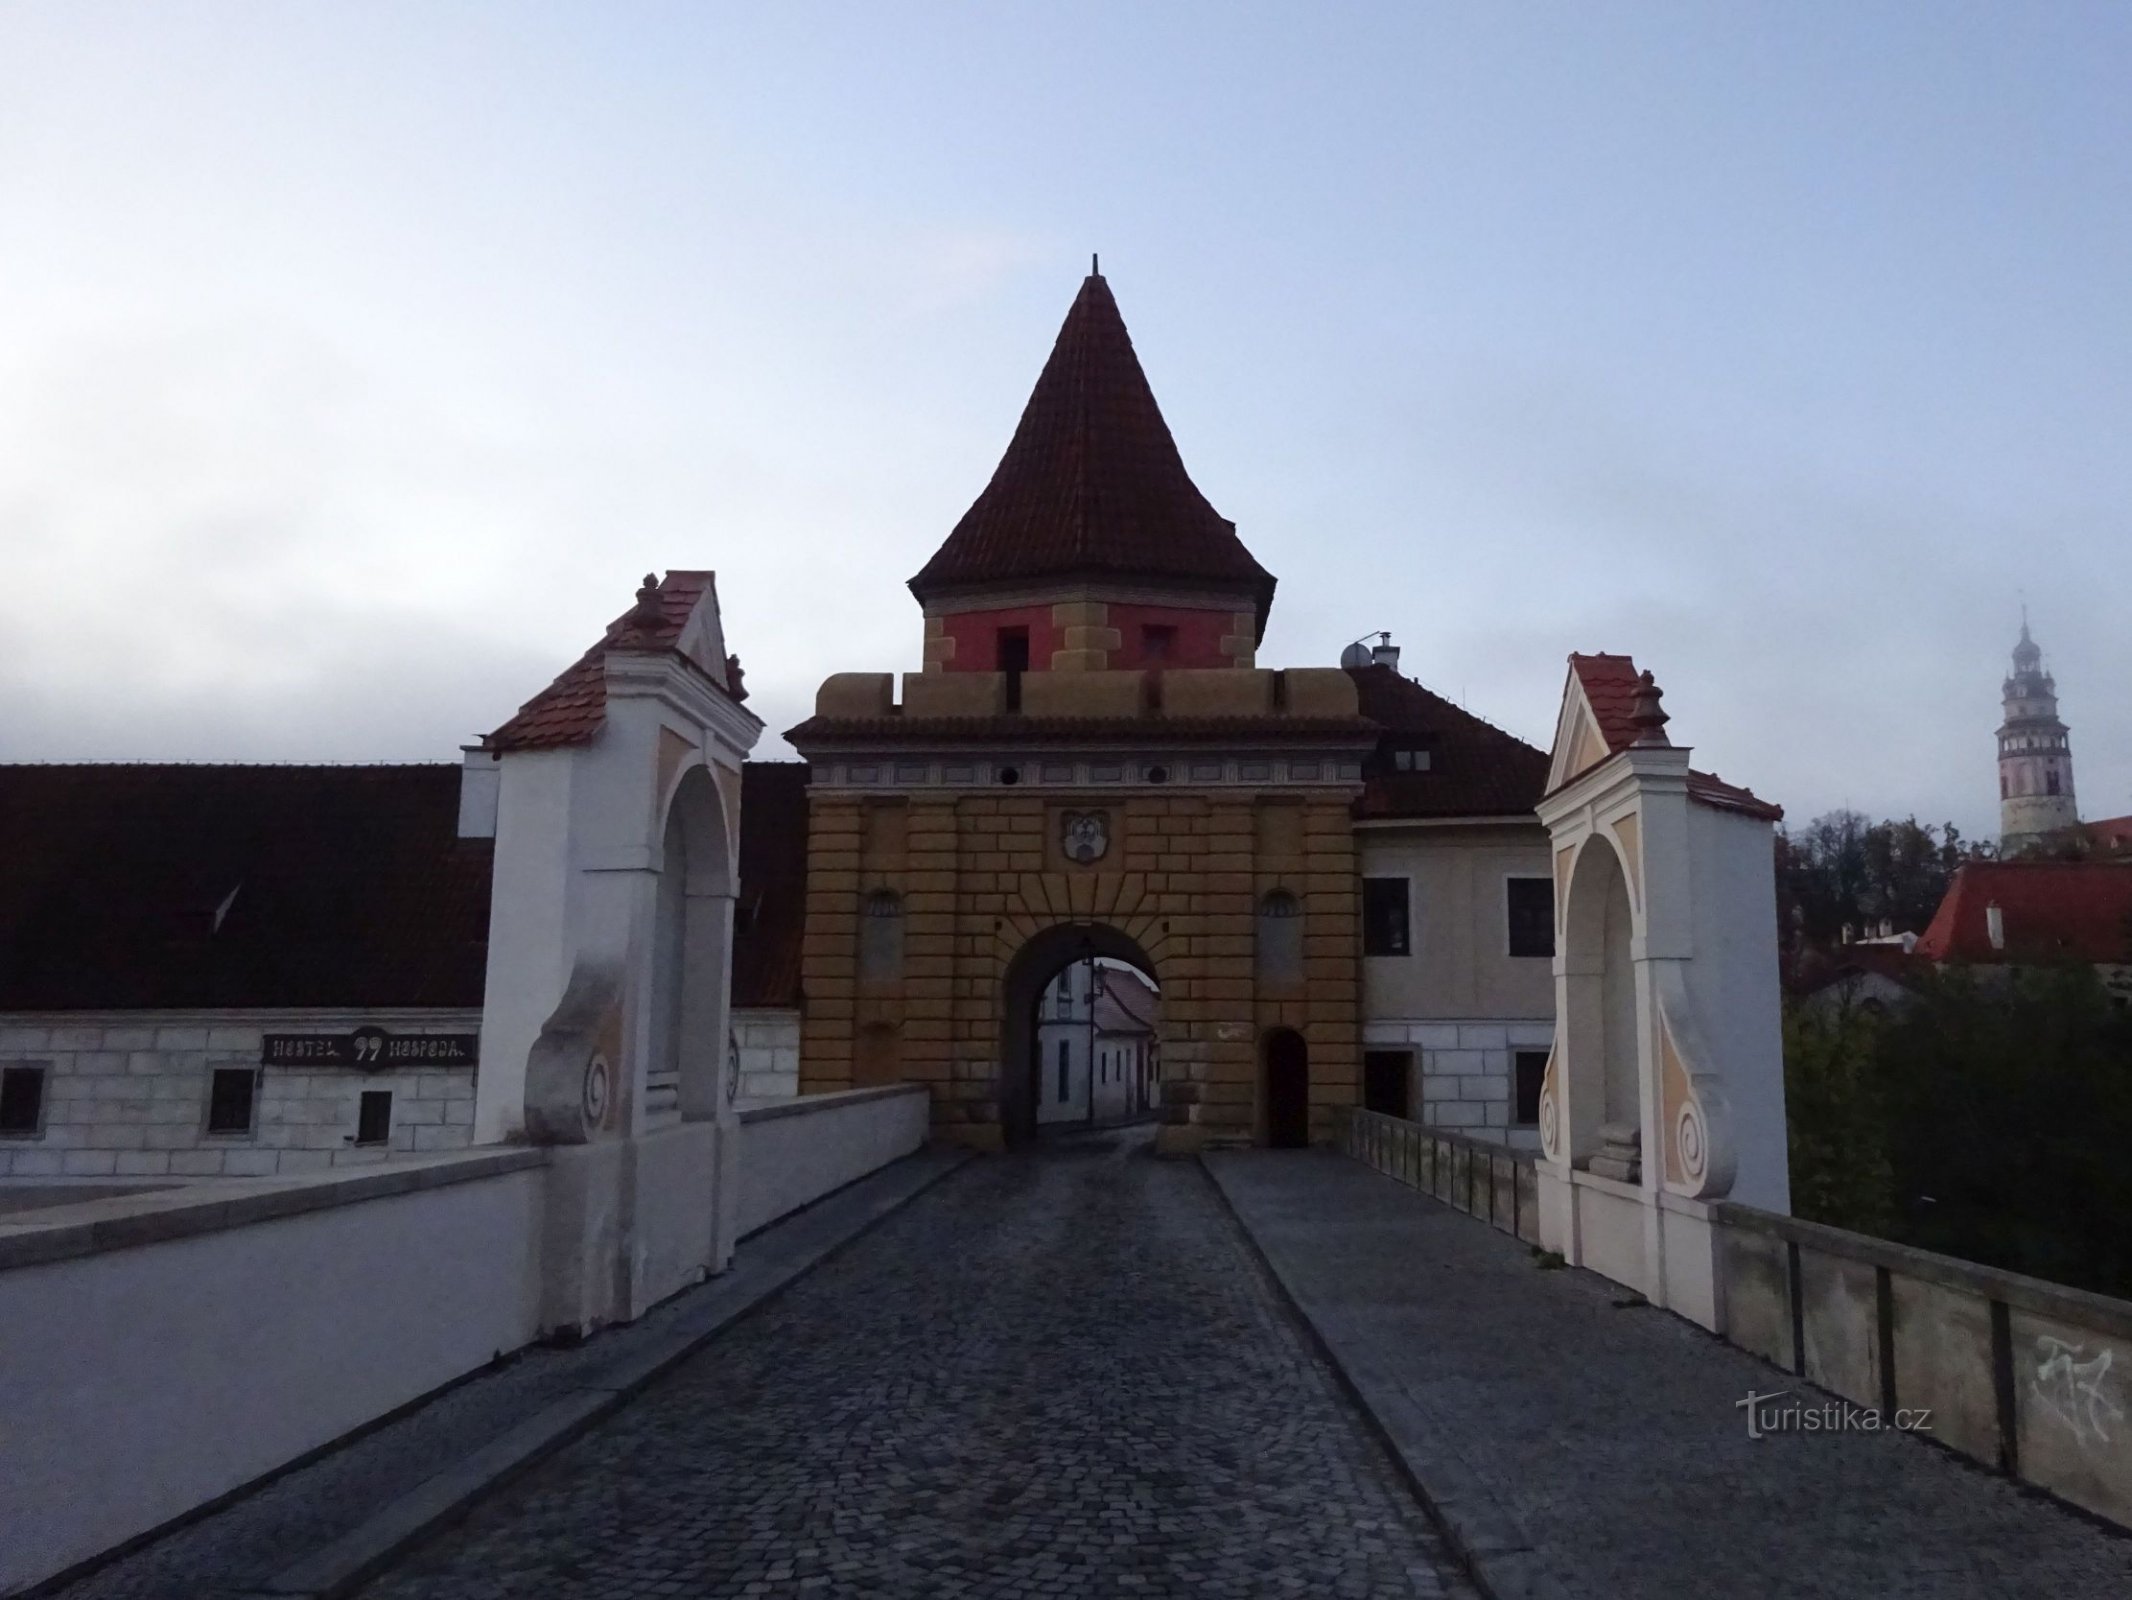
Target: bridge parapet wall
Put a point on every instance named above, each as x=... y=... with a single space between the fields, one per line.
x=2028 y=1377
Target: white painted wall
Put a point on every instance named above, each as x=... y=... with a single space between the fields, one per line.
x=793 y=1153
x=1458 y=924
x=1737 y=1001
x=1464 y=1071
x=126 y=1094
x=139 y=1382
x=529 y=909
x=769 y=1043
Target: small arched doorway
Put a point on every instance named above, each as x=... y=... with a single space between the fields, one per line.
x=1286 y=1059
x=1024 y=989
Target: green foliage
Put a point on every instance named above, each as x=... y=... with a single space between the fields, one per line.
x=1990 y=1118
x=1839 y=1158
x=1842 y=871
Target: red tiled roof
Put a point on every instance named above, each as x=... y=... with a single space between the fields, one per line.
x=1092 y=484
x=1475 y=769
x=2049 y=910
x=1609 y=684
x=770 y=914
x=572 y=708
x=181 y=887
x=2111 y=835
x=1713 y=791
x=1012 y=730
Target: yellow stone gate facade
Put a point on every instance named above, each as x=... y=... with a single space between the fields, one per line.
x=981 y=878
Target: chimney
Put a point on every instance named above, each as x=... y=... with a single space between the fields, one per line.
x=1995 y=926
x=1384 y=653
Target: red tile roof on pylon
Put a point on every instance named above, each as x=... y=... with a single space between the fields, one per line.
x=2048 y=911
x=1610 y=684
x=1092 y=485
x=572 y=708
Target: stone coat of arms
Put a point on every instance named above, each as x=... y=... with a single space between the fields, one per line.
x=1084 y=835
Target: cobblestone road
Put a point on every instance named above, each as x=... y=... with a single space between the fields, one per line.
x=1061 y=1374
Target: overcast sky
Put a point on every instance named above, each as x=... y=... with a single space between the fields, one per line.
x=357 y=359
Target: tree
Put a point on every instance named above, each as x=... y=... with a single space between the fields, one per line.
x=1844 y=871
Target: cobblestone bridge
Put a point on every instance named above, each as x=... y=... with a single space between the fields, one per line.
x=1062 y=1374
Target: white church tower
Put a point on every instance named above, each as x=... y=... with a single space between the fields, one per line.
x=2035 y=754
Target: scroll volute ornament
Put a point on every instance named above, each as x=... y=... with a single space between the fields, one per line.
x=1551 y=1105
x=1696 y=1120
x=573 y=1070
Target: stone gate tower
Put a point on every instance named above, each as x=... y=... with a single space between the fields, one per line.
x=1090 y=764
x=2035 y=754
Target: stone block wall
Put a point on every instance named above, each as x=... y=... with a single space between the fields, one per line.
x=769 y=1043
x=126 y=1095
x=980 y=874
x=1463 y=1077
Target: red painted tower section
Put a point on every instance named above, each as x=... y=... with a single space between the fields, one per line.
x=1091 y=548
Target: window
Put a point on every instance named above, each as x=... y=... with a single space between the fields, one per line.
x=1531 y=1069
x=1532 y=916
x=21 y=1102
x=881 y=936
x=1410 y=761
x=1065 y=1050
x=2050 y=780
x=231 y=1094
x=1158 y=642
x=1065 y=995
x=1280 y=938
x=1384 y=917
x=373 y=1117
x=1385 y=1075
x=1011 y=646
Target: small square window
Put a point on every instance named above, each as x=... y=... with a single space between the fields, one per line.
x=1158 y=642
x=21 y=1102
x=1384 y=917
x=1531 y=1067
x=231 y=1098
x=1531 y=903
x=373 y=1117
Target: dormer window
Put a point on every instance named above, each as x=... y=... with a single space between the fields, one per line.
x=1410 y=759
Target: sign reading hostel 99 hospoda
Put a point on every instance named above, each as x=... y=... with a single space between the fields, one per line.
x=369 y=1049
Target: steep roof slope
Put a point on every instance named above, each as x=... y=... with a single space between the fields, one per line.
x=1092 y=484
x=572 y=708
x=2048 y=911
x=133 y=887
x=1475 y=768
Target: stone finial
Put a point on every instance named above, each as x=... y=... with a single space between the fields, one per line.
x=1648 y=718
x=645 y=613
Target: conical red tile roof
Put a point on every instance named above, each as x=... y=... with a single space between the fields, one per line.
x=1092 y=485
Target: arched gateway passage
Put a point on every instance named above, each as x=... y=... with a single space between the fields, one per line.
x=1023 y=991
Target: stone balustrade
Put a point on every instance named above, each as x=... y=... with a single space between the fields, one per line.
x=2028 y=1377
